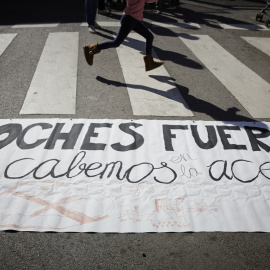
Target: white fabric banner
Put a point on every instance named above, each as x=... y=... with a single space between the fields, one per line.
x=82 y=175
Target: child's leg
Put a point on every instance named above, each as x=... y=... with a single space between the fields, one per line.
x=150 y=64
x=143 y=31
x=127 y=24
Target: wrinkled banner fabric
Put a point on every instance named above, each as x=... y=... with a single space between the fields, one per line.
x=134 y=175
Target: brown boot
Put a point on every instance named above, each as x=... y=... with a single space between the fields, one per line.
x=150 y=63
x=89 y=52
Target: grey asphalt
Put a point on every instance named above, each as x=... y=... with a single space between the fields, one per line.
x=101 y=94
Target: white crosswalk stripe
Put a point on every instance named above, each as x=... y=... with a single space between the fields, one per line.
x=40 y=25
x=5 y=40
x=260 y=43
x=250 y=89
x=154 y=24
x=254 y=27
x=177 y=24
x=151 y=93
x=104 y=24
x=53 y=88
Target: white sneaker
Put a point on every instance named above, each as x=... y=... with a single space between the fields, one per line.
x=92 y=29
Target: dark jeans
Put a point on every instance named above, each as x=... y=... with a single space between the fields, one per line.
x=128 y=24
x=91 y=11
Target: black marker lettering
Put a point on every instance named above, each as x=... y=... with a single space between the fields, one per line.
x=167 y=135
x=87 y=144
x=138 y=138
x=70 y=138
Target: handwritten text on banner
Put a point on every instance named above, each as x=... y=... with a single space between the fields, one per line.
x=134 y=175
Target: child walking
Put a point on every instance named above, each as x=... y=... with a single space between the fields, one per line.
x=131 y=20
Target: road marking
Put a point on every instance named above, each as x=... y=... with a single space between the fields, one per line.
x=177 y=24
x=155 y=24
x=105 y=24
x=5 y=40
x=260 y=43
x=213 y=7
x=35 y=25
x=253 y=27
x=53 y=88
x=151 y=93
x=250 y=89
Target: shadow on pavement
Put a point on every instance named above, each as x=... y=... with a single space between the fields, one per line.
x=195 y=104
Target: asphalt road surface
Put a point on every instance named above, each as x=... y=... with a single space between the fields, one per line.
x=100 y=92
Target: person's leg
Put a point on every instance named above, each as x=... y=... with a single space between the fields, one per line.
x=90 y=11
x=127 y=24
x=150 y=64
x=143 y=31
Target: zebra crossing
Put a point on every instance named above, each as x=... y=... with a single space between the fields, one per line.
x=178 y=24
x=53 y=86
x=154 y=24
x=56 y=73
x=254 y=27
x=159 y=99
x=40 y=25
x=235 y=76
x=263 y=44
x=5 y=40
